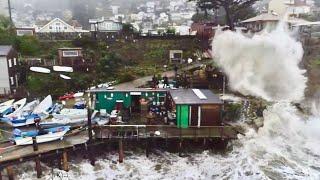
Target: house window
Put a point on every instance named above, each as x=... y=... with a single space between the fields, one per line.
x=10 y=63
x=58 y=24
x=11 y=81
x=50 y=27
x=14 y=61
x=65 y=27
x=70 y=54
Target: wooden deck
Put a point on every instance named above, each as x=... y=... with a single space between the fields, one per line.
x=156 y=131
x=19 y=153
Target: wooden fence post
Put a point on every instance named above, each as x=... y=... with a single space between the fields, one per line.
x=147 y=147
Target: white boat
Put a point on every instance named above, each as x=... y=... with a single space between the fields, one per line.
x=63 y=68
x=7 y=103
x=15 y=108
x=78 y=94
x=68 y=117
x=25 y=110
x=40 y=70
x=46 y=135
x=23 y=120
x=45 y=104
x=5 y=106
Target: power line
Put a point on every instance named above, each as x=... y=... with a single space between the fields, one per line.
x=9 y=9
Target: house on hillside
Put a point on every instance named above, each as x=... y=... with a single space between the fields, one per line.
x=104 y=25
x=290 y=7
x=25 y=31
x=73 y=57
x=9 y=76
x=57 y=26
x=269 y=21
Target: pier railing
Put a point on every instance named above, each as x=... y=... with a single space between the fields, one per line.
x=164 y=131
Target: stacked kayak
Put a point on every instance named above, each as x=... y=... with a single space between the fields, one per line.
x=27 y=114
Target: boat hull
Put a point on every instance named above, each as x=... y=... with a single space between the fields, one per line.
x=51 y=136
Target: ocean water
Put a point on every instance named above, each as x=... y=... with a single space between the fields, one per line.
x=287 y=147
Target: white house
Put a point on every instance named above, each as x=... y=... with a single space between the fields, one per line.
x=58 y=25
x=105 y=25
x=8 y=75
x=4 y=8
x=115 y=10
x=290 y=7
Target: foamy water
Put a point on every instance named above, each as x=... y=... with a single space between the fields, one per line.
x=266 y=65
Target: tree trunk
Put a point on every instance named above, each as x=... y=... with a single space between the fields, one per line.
x=229 y=18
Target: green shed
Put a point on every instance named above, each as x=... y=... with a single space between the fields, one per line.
x=196 y=107
x=109 y=99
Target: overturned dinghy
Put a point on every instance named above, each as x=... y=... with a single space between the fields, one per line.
x=63 y=68
x=15 y=108
x=42 y=136
x=40 y=70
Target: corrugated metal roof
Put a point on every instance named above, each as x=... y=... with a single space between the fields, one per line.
x=4 y=50
x=187 y=96
x=115 y=89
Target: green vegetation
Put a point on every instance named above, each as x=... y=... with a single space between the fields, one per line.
x=27 y=45
x=43 y=84
x=233 y=10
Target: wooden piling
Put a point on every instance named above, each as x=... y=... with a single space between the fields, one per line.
x=38 y=167
x=91 y=156
x=147 y=147
x=180 y=147
x=34 y=144
x=121 y=155
x=65 y=164
x=204 y=142
x=10 y=173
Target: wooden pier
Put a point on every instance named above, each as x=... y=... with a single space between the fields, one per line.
x=13 y=155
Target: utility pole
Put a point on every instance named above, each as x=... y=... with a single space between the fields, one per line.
x=9 y=9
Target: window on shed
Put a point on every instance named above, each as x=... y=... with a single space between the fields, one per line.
x=70 y=53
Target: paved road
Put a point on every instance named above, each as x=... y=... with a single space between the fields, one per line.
x=142 y=81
